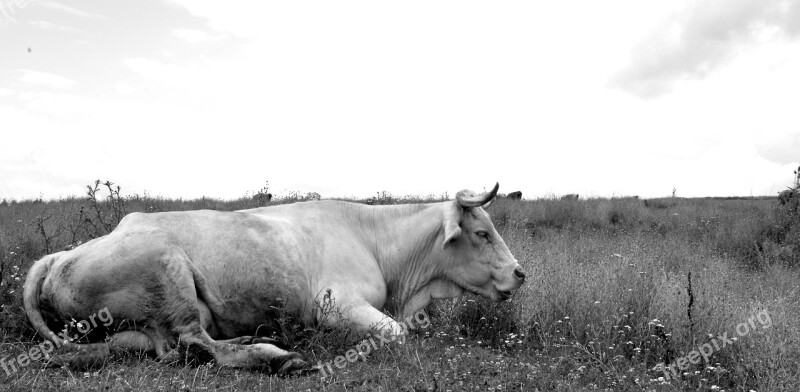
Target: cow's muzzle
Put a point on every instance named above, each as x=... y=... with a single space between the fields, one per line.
x=519 y=274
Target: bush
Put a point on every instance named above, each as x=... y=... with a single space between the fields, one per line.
x=781 y=241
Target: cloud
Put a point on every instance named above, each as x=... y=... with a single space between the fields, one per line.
x=9 y=8
x=59 y=104
x=155 y=70
x=193 y=36
x=784 y=150
x=125 y=88
x=240 y=18
x=45 y=25
x=48 y=79
x=70 y=10
x=693 y=44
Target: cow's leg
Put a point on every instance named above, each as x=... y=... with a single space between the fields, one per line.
x=195 y=344
x=131 y=341
x=183 y=313
x=364 y=317
x=147 y=339
x=84 y=356
x=207 y=322
x=80 y=356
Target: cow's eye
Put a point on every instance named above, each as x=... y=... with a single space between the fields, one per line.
x=482 y=234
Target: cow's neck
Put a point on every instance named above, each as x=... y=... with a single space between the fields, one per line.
x=407 y=242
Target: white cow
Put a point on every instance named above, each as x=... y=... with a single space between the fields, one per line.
x=195 y=284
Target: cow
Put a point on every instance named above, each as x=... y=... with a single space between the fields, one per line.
x=786 y=195
x=514 y=195
x=262 y=198
x=196 y=286
x=571 y=196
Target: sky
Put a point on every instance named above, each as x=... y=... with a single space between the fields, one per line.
x=349 y=98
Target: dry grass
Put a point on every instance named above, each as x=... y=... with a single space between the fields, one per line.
x=607 y=300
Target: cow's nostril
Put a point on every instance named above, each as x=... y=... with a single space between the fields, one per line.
x=519 y=274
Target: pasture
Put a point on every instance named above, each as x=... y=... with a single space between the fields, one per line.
x=615 y=289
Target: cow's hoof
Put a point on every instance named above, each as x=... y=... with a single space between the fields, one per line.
x=289 y=365
x=295 y=367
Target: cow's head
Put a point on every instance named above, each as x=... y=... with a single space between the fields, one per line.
x=476 y=257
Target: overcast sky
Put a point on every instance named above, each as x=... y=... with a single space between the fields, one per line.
x=211 y=98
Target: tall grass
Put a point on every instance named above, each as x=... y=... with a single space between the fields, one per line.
x=608 y=298
x=612 y=277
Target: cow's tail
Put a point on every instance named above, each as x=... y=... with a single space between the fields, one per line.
x=30 y=297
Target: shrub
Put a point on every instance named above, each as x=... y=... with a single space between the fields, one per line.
x=781 y=241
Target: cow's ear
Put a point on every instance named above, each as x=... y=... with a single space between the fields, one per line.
x=452 y=218
x=451 y=232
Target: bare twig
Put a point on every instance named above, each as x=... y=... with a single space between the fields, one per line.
x=39 y=221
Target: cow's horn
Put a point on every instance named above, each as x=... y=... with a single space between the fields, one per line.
x=476 y=201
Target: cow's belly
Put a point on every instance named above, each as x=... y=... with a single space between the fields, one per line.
x=257 y=279
x=253 y=306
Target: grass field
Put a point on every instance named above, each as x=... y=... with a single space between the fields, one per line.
x=615 y=289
